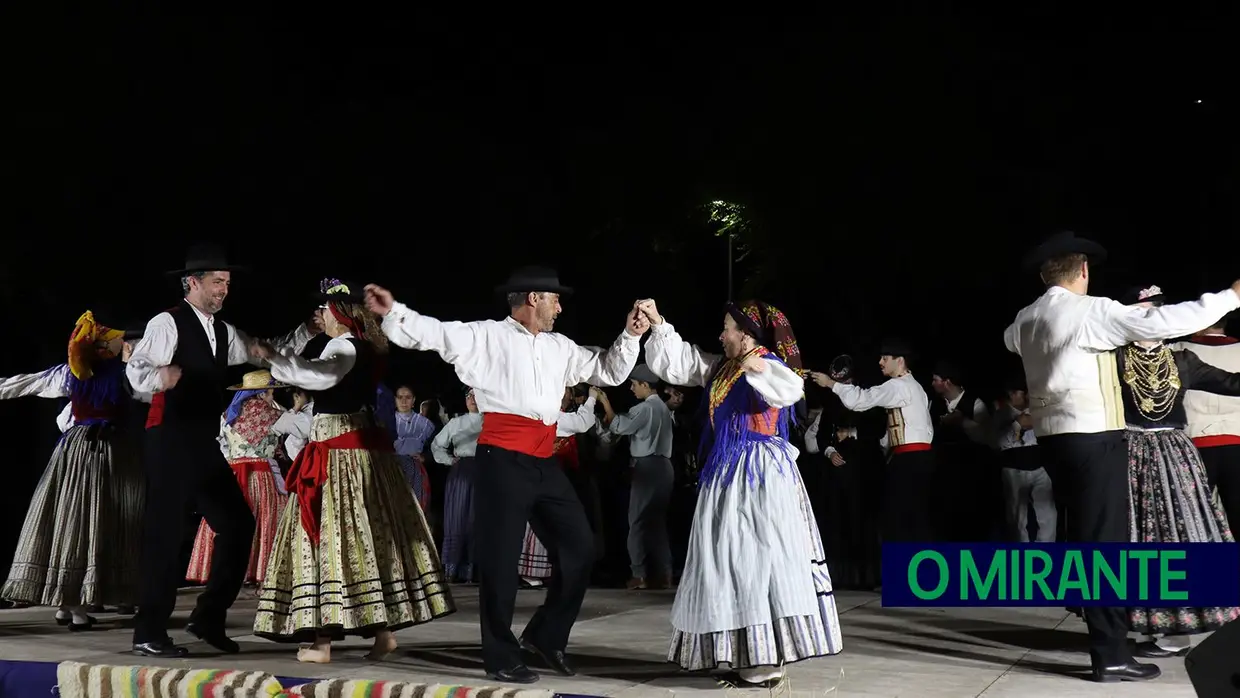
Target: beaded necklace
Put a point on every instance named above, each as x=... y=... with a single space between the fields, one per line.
x=1154 y=380
x=727 y=376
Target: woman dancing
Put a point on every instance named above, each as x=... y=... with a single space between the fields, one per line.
x=755 y=594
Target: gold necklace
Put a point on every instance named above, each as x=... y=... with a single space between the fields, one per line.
x=1154 y=380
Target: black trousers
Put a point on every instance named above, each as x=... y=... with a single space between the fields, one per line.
x=185 y=472
x=1090 y=475
x=512 y=488
x=907 y=495
x=1223 y=471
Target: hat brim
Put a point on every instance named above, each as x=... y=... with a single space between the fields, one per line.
x=1051 y=249
x=533 y=288
x=241 y=386
x=200 y=270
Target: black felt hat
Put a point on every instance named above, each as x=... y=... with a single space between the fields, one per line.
x=204 y=257
x=896 y=347
x=534 y=280
x=1061 y=244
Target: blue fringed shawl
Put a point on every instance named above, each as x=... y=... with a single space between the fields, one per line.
x=103 y=389
x=729 y=440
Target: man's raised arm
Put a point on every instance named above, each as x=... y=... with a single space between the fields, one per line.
x=458 y=343
x=1110 y=324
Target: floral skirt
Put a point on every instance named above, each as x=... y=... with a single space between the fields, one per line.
x=375 y=566
x=267 y=503
x=81 y=543
x=1171 y=503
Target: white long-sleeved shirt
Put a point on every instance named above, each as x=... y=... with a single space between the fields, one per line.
x=648 y=424
x=1009 y=432
x=512 y=370
x=64 y=420
x=677 y=362
x=159 y=344
x=579 y=421
x=811 y=435
x=1067 y=342
x=295 y=425
x=1211 y=415
x=908 y=408
x=52 y=383
x=458 y=438
x=338 y=358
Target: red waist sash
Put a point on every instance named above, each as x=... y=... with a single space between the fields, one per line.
x=566 y=451
x=910 y=448
x=242 y=467
x=520 y=434
x=1216 y=440
x=309 y=472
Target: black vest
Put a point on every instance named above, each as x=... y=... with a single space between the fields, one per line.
x=198 y=397
x=954 y=434
x=357 y=390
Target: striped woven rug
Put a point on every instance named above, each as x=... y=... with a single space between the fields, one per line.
x=77 y=680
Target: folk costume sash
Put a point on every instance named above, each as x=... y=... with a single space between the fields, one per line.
x=566 y=450
x=242 y=467
x=520 y=434
x=309 y=472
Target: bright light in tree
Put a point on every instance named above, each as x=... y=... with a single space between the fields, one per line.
x=732 y=218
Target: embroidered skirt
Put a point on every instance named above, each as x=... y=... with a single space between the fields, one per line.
x=266 y=502
x=458 y=524
x=755 y=590
x=81 y=543
x=534 y=562
x=1171 y=502
x=375 y=566
x=419 y=481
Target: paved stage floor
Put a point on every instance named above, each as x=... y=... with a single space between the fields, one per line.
x=620 y=643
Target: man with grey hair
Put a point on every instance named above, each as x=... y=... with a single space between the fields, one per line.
x=519 y=368
x=182 y=360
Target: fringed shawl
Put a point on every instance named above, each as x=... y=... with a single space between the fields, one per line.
x=105 y=387
x=739 y=418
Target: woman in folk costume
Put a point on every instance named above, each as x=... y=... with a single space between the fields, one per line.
x=755 y=593
x=534 y=565
x=454 y=447
x=353 y=554
x=411 y=431
x=1170 y=500
x=253 y=450
x=81 y=542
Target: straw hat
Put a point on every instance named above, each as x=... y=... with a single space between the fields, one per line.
x=257 y=380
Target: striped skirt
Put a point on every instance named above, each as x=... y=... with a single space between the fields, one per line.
x=534 y=562
x=755 y=590
x=1171 y=503
x=458 y=524
x=82 y=540
x=375 y=566
x=266 y=502
x=415 y=474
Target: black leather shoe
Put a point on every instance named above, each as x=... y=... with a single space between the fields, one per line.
x=80 y=627
x=1151 y=650
x=1130 y=671
x=164 y=649
x=554 y=660
x=517 y=674
x=214 y=637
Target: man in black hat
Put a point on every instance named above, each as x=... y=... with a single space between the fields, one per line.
x=182 y=360
x=910 y=469
x=519 y=368
x=1066 y=340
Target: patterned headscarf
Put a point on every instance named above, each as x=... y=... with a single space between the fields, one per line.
x=82 y=349
x=770 y=327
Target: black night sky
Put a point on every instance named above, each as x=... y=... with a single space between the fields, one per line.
x=894 y=167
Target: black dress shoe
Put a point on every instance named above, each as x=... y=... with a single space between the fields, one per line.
x=80 y=627
x=164 y=649
x=517 y=674
x=554 y=659
x=214 y=637
x=1130 y=671
x=1151 y=650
